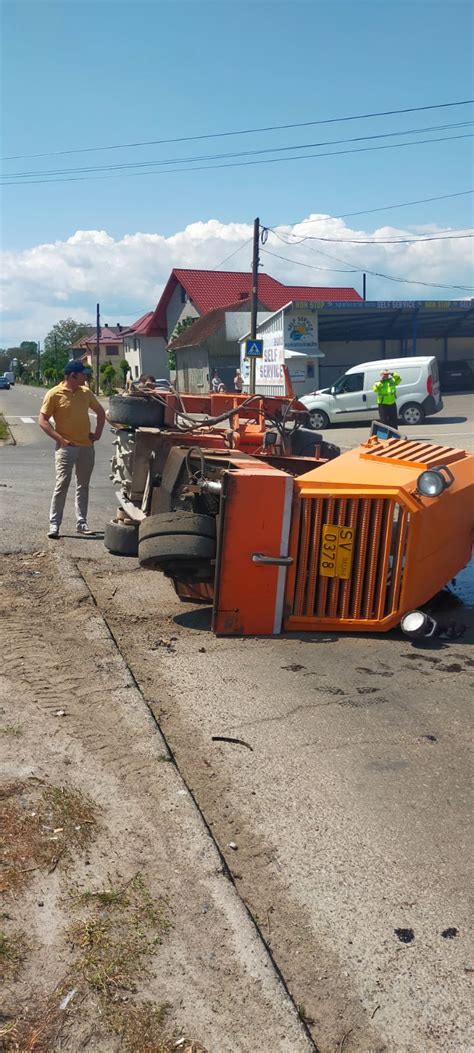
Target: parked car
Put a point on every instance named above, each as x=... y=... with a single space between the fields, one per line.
x=10 y=377
x=456 y=376
x=4 y=383
x=352 y=397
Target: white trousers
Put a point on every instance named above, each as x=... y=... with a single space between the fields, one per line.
x=66 y=459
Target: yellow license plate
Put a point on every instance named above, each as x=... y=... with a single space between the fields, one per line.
x=335 y=558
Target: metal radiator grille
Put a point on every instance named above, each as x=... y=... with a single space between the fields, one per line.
x=380 y=528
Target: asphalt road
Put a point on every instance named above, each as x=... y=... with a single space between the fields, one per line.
x=350 y=812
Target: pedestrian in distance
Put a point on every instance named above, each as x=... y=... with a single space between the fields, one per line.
x=215 y=381
x=238 y=381
x=68 y=405
x=386 y=389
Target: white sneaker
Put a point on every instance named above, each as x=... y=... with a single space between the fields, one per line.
x=53 y=533
x=83 y=529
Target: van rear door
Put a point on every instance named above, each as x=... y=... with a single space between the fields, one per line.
x=433 y=382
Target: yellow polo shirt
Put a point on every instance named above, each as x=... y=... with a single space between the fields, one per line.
x=70 y=411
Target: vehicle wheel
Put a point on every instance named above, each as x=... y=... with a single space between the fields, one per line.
x=176 y=552
x=318 y=419
x=412 y=413
x=180 y=522
x=136 y=411
x=121 y=538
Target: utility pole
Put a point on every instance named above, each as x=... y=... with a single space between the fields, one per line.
x=97 y=348
x=38 y=348
x=56 y=353
x=254 y=299
x=364 y=286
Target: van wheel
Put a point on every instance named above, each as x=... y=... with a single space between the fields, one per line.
x=412 y=413
x=318 y=419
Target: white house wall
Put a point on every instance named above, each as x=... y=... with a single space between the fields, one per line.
x=177 y=310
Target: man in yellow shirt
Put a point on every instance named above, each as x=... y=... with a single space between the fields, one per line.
x=68 y=404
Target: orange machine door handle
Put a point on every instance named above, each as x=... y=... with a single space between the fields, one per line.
x=274 y=561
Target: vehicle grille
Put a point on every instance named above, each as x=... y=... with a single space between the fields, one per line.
x=380 y=528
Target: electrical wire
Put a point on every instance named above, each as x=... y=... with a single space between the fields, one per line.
x=380 y=208
x=242 y=131
x=421 y=239
x=242 y=164
x=234 y=154
x=367 y=270
x=231 y=254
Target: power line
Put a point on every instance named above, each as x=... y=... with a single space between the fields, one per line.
x=234 y=253
x=242 y=131
x=243 y=164
x=235 y=154
x=381 y=208
x=377 y=274
x=420 y=239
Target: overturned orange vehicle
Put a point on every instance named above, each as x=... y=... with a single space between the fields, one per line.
x=354 y=544
x=277 y=543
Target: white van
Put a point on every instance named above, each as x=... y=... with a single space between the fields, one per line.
x=10 y=377
x=352 y=396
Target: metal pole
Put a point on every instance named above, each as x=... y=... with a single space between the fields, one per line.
x=254 y=299
x=97 y=348
x=364 y=286
x=38 y=348
x=56 y=353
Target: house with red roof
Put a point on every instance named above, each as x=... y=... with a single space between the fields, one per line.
x=110 y=345
x=196 y=293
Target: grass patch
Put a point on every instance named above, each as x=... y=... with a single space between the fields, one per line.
x=13 y=951
x=4 y=431
x=38 y=828
x=114 y=941
x=11 y=729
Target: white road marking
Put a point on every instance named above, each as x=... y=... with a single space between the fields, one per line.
x=28 y=420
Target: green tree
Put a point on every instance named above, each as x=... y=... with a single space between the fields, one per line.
x=108 y=378
x=180 y=328
x=64 y=334
x=124 y=368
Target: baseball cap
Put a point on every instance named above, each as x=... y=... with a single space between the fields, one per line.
x=76 y=367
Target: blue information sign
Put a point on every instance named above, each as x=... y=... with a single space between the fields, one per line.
x=254 y=348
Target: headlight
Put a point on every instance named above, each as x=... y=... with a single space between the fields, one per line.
x=416 y=623
x=432 y=482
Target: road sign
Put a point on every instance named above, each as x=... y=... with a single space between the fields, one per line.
x=254 y=348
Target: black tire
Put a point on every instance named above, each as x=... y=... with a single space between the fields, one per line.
x=318 y=420
x=136 y=411
x=121 y=538
x=412 y=414
x=180 y=522
x=177 y=549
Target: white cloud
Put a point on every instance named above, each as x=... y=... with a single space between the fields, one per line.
x=67 y=278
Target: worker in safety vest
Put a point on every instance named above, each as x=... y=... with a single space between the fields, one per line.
x=386 y=390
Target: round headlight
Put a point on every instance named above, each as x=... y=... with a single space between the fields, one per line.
x=430 y=483
x=416 y=623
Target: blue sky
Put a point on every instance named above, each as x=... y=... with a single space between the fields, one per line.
x=92 y=74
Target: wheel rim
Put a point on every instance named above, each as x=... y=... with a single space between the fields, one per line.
x=317 y=420
x=412 y=415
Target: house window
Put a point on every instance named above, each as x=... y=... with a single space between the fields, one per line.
x=136 y=372
x=184 y=295
x=136 y=343
x=112 y=350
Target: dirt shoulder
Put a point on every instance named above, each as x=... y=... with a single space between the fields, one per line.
x=121 y=928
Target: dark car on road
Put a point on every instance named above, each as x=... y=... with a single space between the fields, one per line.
x=4 y=383
x=456 y=376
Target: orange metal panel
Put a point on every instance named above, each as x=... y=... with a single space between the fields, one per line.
x=255 y=519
